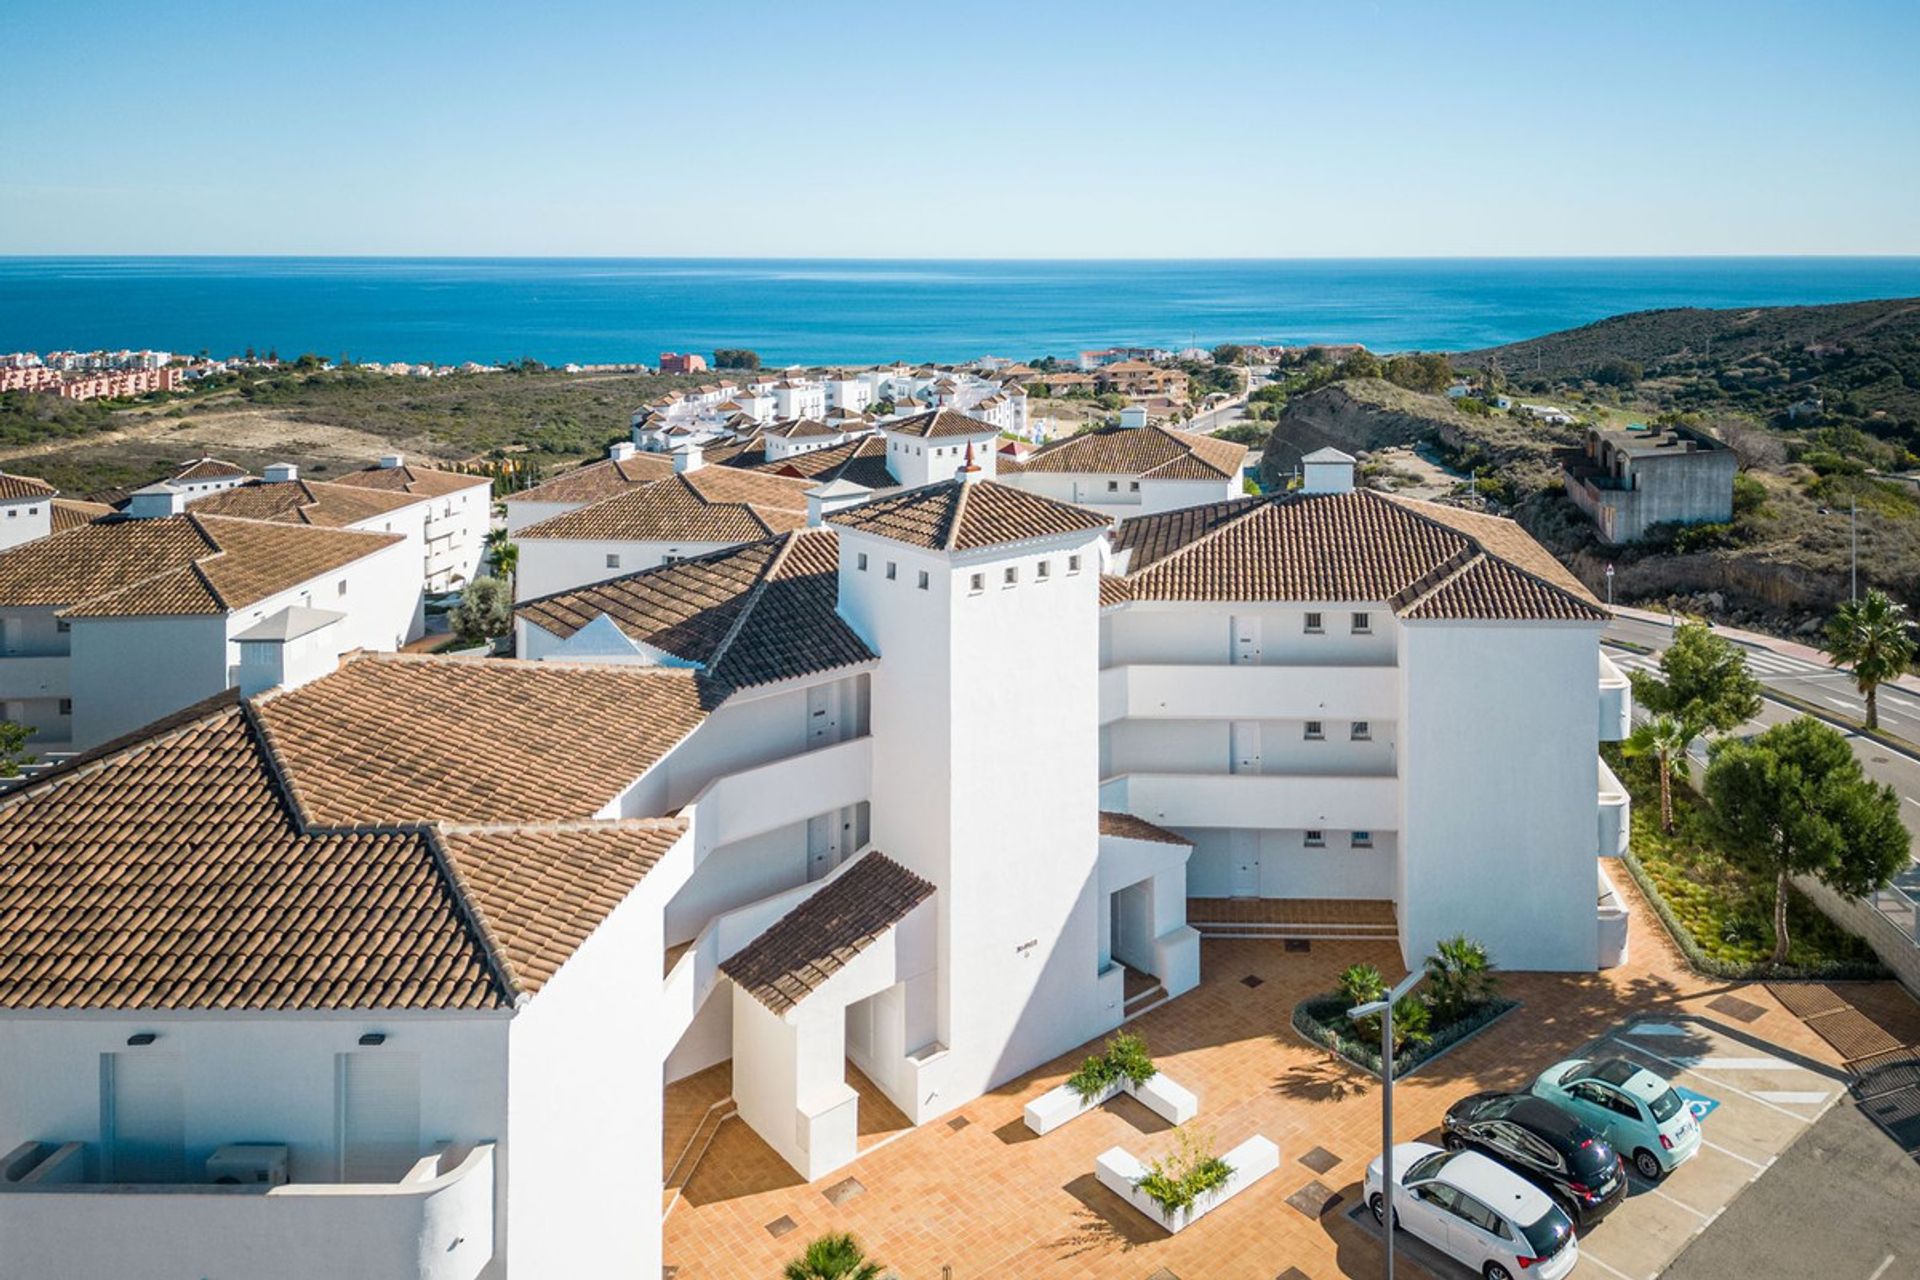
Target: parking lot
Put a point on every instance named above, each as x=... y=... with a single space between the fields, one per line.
x=1754 y=1100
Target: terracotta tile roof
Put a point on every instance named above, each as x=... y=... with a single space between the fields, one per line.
x=862 y=461
x=314 y=502
x=749 y=615
x=1359 y=546
x=1113 y=590
x=954 y=516
x=1160 y=452
x=818 y=938
x=599 y=480
x=712 y=504
x=410 y=738
x=204 y=468
x=167 y=871
x=421 y=482
x=940 y=424
x=22 y=488
x=175 y=564
x=1127 y=827
x=801 y=428
x=71 y=513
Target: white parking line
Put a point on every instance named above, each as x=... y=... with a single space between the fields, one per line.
x=1881 y=1269
x=1791 y=1097
x=1698 y=1213
x=1718 y=1084
x=1743 y=1064
x=1752 y=1164
x=1835 y=702
x=1586 y=1255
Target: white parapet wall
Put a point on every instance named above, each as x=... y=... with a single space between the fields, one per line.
x=1166 y=1098
x=1120 y=1172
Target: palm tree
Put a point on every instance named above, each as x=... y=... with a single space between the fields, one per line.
x=834 y=1256
x=1665 y=739
x=1459 y=976
x=503 y=552
x=1872 y=636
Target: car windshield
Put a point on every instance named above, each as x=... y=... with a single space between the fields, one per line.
x=1665 y=1107
x=1426 y=1166
x=1547 y=1236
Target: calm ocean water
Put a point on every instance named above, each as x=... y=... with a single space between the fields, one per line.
x=595 y=311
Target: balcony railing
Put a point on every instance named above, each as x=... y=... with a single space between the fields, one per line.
x=1340 y=802
x=435 y=1223
x=1616 y=702
x=751 y=802
x=1347 y=691
x=1616 y=814
x=37 y=675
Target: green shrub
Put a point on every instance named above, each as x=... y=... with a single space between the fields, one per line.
x=1749 y=495
x=1093 y=1077
x=1180 y=1177
x=1127 y=1056
x=1323 y=1020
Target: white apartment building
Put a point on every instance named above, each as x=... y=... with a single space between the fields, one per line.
x=26 y=509
x=113 y=624
x=781 y=769
x=198 y=477
x=1132 y=469
x=454 y=510
x=626 y=466
x=799 y=398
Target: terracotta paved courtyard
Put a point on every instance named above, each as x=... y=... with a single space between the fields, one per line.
x=975 y=1191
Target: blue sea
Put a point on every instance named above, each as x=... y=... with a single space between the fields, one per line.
x=620 y=310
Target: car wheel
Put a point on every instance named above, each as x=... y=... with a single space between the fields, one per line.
x=1452 y=1141
x=1379 y=1206
x=1648 y=1165
x=1497 y=1272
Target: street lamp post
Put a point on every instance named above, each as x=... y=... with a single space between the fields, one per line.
x=1609 y=586
x=1384 y=1008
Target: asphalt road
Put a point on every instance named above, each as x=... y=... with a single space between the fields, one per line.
x=1842 y=1203
x=1819 y=686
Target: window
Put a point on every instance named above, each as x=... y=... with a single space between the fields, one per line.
x=1043 y=570
x=1073 y=564
x=1315 y=731
x=893 y=570
x=66 y=706
x=343 y=587
x=1133 y=485
x=1360 y=839
x=1316 y=840
x=923 y=579
x=33 y=511
x=62 y=626
x=1361 y=625
x=1113 y=486
x=12 y=513
x=1314 y=626
x=1010 y=576
x=613 y=560
x=860 y=562
x=977 y=583
x=1360 y=732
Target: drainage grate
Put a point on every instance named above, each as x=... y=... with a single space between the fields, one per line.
x=1320 y=1160
x=1251 y=981
x=958 y=1123
x=1735 y=1007
x=842 y=1191
x=1298 y=945
x=1314 y=1199
x=780 y=1226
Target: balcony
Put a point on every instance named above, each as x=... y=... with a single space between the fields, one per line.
x=737 y=806
x=40 y=675
x=436 y=1223
x=1616 y=702
x=1340 y=802
x=1194 y=692
x=1616 y=814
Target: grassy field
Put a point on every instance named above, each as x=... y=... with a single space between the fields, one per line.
x=328 y=422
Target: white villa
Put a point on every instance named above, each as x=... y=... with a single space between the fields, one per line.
x=414 y=951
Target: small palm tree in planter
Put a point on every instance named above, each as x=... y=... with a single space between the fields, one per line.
x=1663 y=739
x=1362 y=984
x=1184 y=1174
x=1459 y=978
x=834 y=1256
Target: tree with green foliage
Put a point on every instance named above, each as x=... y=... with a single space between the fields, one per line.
x=484 y=612
x=1618 y=373
x=1663 y=739
x=503 y=553
x=1795 y=801
x=1703 y=682
x=1361 y=364
x=1459 y=977
x=1871 y=635
x=735 y=358
x=1430 y=373
x=1229 y=353
x=834 y=1256
x=13 y=748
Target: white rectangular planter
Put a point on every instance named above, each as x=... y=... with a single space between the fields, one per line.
x=1118 y=1171
x=1166 y=1098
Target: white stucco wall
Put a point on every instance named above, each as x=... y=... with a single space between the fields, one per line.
x=548 y=565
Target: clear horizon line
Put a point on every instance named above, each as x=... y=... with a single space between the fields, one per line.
x=700 y=257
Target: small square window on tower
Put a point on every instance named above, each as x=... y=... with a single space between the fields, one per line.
x=1043 y=570
x=976 y=583
x=1316 y=840
x=1073 y=564
x=1315 y=624
x=1010 y=576
x=924 y=579
x=1362 y=624
x=1361 y=731
x=860 y=562
x=1315 y=731
x=893 y=570
x=1360 y=839
x=613 y=560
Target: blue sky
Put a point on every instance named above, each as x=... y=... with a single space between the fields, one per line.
x=1273 y=129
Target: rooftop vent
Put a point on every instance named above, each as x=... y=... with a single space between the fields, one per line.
x=392 y=461
x=687 y=457
x=621 y=450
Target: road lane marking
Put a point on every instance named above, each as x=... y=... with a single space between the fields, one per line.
x=1836 y=702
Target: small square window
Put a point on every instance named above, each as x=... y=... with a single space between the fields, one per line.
x=1314 y=626
x=1133 y=485
x=1043 y=570
x=1316 y=840
x=1315 y=731
x=1113 y=486
x=1073 y=564
x=1361 y=624
x=1360 y=731
x=613 y=560
x=66 y=706
x=1010 y=576
x=923 y=579
x=12 y=514
x=343 y=587
x=893 y=570
x=977 y=583
x=62 y=626
x=1360 y=839
x=860 y=562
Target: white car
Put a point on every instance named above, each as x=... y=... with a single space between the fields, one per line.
x=1476 y=1212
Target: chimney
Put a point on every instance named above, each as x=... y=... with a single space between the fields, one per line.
x=1134 y=415
x=836 y=495
x=280 y=473
x=156 y=500
x=621 y=450
x=970 y=472
x=687 y=458
x=392 y=461
x=1327 y=471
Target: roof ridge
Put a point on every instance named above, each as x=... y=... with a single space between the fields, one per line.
x=466 y=904
x=954 y=516
x=1478 y=544
x=1437 y=579
x=1254 y=506
x=669 y=823
x=784 y=544
x=146 y=736
x=276 y=765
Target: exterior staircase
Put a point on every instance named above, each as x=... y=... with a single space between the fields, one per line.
x=681 y=1171
x=1287 y=919
x=1143 y=992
